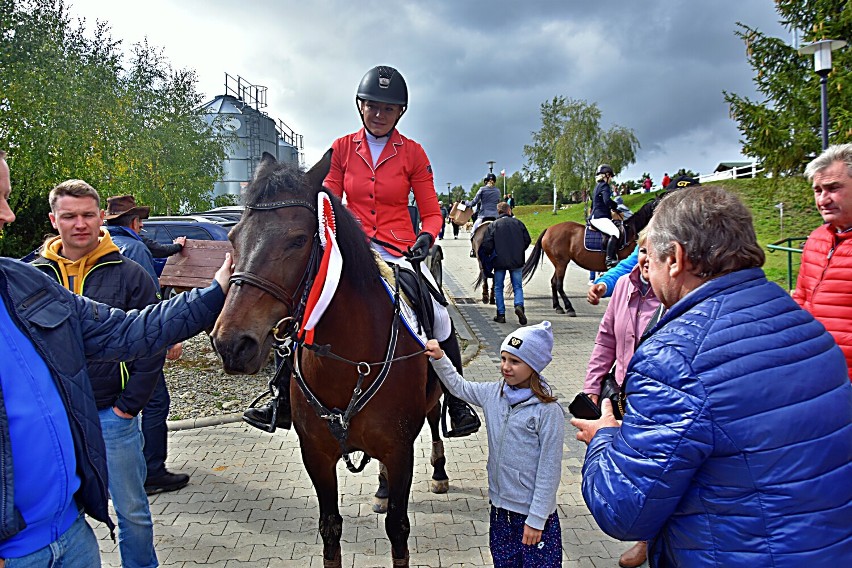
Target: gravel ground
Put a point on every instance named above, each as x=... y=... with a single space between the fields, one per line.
x=200 y=388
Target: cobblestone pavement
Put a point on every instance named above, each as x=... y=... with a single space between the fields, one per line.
x=250 y=502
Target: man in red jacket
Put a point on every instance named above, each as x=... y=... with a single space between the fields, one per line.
x=823 y=287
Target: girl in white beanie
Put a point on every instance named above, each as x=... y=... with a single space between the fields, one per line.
x=526 y=429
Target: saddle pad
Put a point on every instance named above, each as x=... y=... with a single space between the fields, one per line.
x=593 y=240
x=409 y=318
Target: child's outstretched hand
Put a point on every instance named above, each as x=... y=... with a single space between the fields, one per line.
x=433 y=349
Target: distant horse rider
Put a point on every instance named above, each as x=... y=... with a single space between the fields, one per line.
x=487 y=198
x=602 y=208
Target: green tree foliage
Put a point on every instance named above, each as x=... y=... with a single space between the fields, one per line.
x=571 y=144
x=784 y=129
x=70 y=109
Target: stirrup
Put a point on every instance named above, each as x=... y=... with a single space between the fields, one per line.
x=266 y=427
x=458 y=432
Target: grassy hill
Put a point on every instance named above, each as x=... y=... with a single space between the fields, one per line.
x=760 y=195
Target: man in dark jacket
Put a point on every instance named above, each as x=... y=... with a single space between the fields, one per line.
x=506 y=240
x=84 y=260
x=736 y=441
x=53 y=464
x=124 y=223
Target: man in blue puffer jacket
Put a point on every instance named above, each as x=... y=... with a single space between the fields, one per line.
x=736 y=447
x=52 y=458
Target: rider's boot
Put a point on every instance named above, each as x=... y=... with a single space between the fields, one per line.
x=277 y=410
x=611 y=252
x=463 y=420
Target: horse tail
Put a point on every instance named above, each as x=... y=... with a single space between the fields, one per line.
x=533 y=261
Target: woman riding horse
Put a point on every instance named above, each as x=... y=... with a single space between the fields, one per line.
x=602 y=208
x=373 y=170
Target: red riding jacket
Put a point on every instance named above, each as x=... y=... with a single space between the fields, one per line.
x=824 y=286
x=379 y=197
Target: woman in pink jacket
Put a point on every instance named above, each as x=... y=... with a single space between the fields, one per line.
x=627 y=315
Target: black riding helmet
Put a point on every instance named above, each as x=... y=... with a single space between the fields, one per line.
x=490 y=177
x=383 y=84
x=605 y=169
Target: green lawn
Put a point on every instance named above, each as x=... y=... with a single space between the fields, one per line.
x=760 y=195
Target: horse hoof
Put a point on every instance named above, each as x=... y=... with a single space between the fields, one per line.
x=560 y=311
x=485 y=301
x=380 y=505
x=400 y=562
x=336 y=562
x=439 y=486
x=572 y=314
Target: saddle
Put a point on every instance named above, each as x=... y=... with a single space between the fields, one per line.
x=593 y=238
x=417 y=300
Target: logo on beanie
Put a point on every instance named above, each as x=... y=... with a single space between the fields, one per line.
x=516 y=342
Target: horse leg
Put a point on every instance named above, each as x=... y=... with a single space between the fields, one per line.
x=380 y=499
x=397 y=525
x=323 y=473
x=484 y=289
x=554 y=292
x=440 y=480
x=560 y=281
x=491 y=299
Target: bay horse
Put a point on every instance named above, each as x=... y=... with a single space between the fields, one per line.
x=276 y=246
x=475 y=243
x=564 y=242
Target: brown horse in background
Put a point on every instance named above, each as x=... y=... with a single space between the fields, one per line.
x=276 y=252
x=475 y=243
x=564 y=242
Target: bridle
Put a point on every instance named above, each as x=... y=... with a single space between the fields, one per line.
x=273 y=289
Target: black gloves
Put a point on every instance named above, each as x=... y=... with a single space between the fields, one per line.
x=420 y=249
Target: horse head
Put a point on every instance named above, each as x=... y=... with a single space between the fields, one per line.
x=641 y=218
x=275 y=244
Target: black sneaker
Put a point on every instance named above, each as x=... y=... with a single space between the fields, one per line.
x=167 y=482
x=500 y=318
x=522 y=318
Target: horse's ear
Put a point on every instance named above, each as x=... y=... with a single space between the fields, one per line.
x=267 y=161
x=316 y=175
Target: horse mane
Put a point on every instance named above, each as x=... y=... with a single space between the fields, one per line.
x=642 y=217
x=276 y=181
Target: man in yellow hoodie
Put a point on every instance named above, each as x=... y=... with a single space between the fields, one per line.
x=84 y=259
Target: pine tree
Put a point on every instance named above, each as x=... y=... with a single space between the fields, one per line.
x=784 y=130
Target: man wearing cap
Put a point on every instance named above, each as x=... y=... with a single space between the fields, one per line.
x=124 y=223
x=53 y=465
x=84 y=260
x=823 y=285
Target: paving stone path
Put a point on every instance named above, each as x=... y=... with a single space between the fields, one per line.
x=250 y=502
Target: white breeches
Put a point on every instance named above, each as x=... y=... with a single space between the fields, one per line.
x=605 y=225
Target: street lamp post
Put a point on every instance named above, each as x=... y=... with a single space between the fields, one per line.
x=449 y=192
x=491 y=166
x=821 y=51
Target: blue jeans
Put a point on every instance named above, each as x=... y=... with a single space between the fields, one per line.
x=515 y=275
x=76 y=548
x=126 y=469
x=154 y=429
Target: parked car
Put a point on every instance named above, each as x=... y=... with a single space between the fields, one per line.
x=166 y=230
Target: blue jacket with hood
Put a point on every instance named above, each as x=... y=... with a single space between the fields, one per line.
x=736 y=448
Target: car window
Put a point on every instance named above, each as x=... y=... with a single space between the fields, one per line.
x=157 y=233
x=189 y=232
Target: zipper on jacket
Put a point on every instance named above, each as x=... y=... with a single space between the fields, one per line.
x=500 y=448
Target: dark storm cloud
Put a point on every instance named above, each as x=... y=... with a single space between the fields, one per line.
x=478 y=71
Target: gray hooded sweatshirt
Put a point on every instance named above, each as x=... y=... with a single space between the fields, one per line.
x=524 y=445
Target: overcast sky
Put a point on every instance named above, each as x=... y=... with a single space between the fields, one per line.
x=477 y=71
